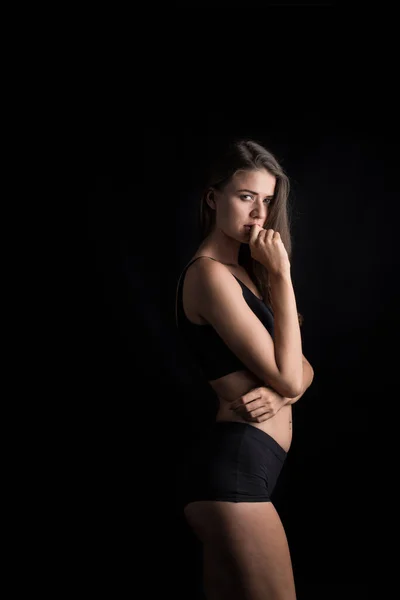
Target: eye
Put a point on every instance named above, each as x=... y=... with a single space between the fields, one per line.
x=245 y=196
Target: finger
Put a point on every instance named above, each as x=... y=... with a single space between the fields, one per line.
x=256 y=419
x=261 y=411
x=263 y=418
x=253 y=405
x=259 y=403
x=253 y=413
x=254 y=232
x=245 y=399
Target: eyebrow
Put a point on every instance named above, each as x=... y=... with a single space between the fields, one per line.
x=255 y=193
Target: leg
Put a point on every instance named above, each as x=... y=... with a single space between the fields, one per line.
x=246 y=554
x=218 y=583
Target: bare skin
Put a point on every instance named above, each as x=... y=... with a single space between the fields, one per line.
x=238 y=561
x=245 y=549
x=233 y=385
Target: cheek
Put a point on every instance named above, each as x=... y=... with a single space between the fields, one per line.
x=239 y=207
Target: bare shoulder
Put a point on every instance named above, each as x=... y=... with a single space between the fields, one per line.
x=219 y=300
x=206 y=281
x=198 y=275
x=204 y=265
x=206 y=276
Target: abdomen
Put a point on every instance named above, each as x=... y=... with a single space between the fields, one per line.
x=232 y=386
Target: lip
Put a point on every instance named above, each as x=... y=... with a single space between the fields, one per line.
x=251 y=225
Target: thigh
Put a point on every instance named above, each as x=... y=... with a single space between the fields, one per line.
x=248 y=546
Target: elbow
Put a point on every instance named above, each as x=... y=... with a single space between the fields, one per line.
x=295 y=388
x=287 y=390
x=308 y=377
x=293 y=392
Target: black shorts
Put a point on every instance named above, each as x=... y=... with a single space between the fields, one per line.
x=235 y=462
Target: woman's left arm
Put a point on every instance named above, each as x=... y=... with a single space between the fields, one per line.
x=308 y=376
x=262 y=403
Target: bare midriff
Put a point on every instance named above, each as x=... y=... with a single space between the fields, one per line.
x=231 y=387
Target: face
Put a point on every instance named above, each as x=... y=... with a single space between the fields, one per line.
x=243 y=202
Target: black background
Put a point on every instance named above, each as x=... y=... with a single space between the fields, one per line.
x=320 y=101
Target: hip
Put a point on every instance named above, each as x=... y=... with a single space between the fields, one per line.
x=233 y=462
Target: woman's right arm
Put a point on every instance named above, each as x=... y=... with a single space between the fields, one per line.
x=221 y=303
x=287 y=336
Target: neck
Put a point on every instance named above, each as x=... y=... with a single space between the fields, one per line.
x=220 y=249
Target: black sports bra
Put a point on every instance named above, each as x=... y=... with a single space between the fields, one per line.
x=208 y=349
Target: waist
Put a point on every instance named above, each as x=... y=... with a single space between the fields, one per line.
x=278 y=427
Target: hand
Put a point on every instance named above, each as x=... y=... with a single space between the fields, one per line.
x=266 y=247
x=258 y=405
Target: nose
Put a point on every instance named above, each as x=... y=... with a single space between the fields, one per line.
x=259 y=210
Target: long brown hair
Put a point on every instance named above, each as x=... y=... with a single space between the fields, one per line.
x=249 y=155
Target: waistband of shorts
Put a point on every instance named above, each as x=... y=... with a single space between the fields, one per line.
x=254 y=432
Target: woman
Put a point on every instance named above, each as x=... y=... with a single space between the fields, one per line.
x=236 y=311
